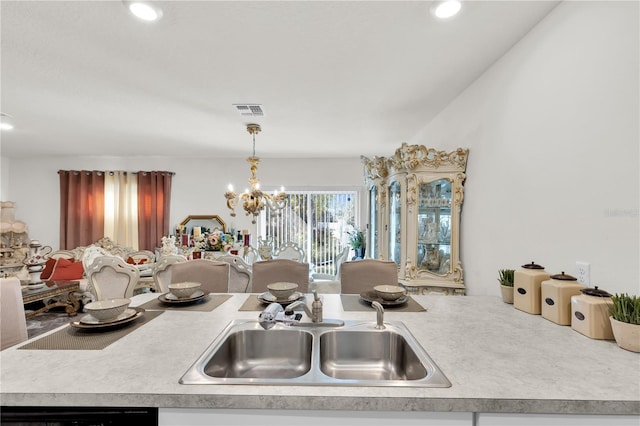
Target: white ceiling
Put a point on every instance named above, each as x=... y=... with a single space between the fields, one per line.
x=335 y=78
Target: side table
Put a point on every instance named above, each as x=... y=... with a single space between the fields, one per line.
x=64 y=289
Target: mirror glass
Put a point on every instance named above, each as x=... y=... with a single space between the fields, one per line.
x=395 y=215
x=373 y=222
x=434 y=226
x=207 y=223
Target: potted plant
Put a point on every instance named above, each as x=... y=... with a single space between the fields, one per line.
x=625 y=321
x=505 y=278
x=357 y=243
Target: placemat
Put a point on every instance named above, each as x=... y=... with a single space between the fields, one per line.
x=353 y=302
x=253 y=304
x=70 y=338
x=207 y=304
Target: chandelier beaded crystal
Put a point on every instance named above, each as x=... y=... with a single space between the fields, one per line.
x=254 y=200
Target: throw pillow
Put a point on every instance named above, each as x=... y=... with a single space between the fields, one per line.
x=48 y=268
x=67 y=270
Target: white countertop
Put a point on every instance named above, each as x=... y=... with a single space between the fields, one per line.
x=498 y=359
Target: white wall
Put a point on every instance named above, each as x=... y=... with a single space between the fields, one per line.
x=552 y=129
x=197 y=188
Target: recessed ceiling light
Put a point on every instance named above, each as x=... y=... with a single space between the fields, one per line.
x=6 y=123
x=144 y=10
x=446 y=9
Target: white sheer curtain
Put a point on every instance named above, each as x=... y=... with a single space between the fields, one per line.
x=121 y=208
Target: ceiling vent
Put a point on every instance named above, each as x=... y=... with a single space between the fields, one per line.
x=250 y=110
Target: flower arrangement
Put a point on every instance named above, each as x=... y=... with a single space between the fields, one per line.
x=215 y=241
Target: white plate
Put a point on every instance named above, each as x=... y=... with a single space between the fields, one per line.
x=196 y=294
x=107 y=326
x=172 y=299
x=90 y=319
x=267 y=297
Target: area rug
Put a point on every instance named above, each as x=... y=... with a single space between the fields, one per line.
x=48 y=321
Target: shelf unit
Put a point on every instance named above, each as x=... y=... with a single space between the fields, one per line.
x=414 y=206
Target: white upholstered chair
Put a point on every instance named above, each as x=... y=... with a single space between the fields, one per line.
x=110 y=277
x=162 y=271
x=13 y=324
x=213 y=275
x=239 y=273
x=289 y=250
x=269 y=271
x=358 y=276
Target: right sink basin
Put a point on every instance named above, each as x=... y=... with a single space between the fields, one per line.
x=369 y=355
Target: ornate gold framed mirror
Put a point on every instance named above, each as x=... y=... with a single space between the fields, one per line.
x=207 y=223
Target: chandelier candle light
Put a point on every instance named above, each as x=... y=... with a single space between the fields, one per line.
x=254 y=200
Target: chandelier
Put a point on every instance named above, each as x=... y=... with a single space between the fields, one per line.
x=254 y=200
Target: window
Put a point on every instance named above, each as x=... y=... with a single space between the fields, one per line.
x=317 y=221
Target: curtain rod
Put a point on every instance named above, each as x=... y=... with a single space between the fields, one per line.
x=111 y=172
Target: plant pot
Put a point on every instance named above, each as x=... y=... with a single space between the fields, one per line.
x=507 y=293
x=627 y=335
x=359 y=253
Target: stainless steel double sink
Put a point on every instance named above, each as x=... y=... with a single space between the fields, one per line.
x=356 y=354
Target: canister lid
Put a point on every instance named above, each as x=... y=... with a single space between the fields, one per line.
x=532 y=265
x=563 y=277
x=595 y=292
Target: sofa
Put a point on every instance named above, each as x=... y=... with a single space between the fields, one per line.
x=72 y=264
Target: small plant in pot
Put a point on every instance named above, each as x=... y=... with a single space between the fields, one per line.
x=357 y=243
x=505 y=278
x=625 y=321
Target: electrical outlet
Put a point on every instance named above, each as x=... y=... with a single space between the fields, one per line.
x=583 y=272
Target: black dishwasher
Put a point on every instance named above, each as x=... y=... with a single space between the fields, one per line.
x=78 y=416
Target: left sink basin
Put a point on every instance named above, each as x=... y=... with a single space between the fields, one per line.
x=256 y=354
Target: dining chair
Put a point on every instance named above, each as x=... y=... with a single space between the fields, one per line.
x=110 y=277
x=250 y=254
x=269 y=271
x=357 y=276
x=213 y=275
x=289 y=250
x=162 y=271
x=13 y=323
x=239 y=273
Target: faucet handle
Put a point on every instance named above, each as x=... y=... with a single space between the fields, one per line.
x=379 y=315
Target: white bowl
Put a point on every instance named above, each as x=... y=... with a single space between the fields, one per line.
x=108 y=309
x=282 y=290
x=390 y=292
x=185 y=289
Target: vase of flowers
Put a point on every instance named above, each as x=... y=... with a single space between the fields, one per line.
x=215 y=241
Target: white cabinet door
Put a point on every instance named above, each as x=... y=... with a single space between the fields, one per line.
x=210 y=416
x=499 y=419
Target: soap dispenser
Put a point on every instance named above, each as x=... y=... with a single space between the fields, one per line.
x=316 y=308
